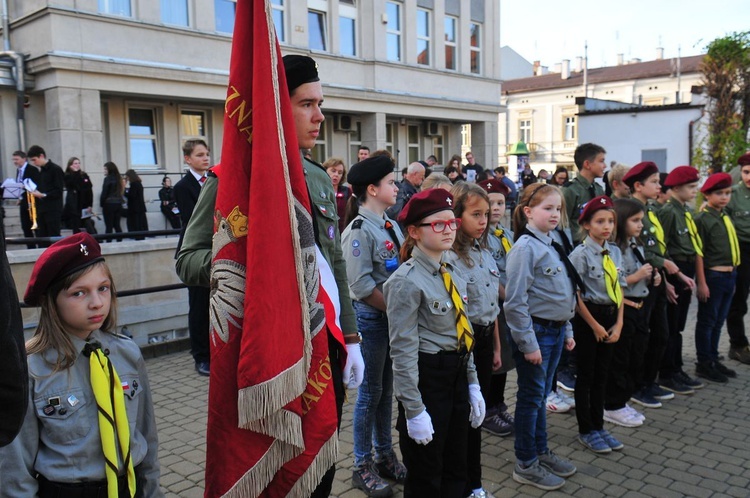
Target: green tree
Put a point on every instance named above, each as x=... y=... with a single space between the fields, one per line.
x=726 y=80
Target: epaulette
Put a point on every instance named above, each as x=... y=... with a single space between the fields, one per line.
x=211 y=174
x=122 y=336
x=357 y=224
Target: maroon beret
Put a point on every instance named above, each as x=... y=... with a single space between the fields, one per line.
x=423 y=204
x=495 y=186
x=639 y=173
x=716 y=181
x=744 y=159
x=59 y=260
x=594 y=205
x=680 y=176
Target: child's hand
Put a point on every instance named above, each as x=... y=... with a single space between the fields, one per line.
x=703 y=292
x=657 y=277
x=496 y=361
x=671 y=294
x=614 y=333
x=600 y=333
x=535 y=358
x=645 y=271
x=570 y=344
x=688 y=281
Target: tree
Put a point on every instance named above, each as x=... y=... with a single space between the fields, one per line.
x=726 y=80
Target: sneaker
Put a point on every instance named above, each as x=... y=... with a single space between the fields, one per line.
x=390 y=468
x=565 y=397
x=566 y=380
x=611 y=441
x=365 y=478
x=482 y=493
x=658 y=393
x=707 y=370
x=726 y=371
x=497 y=425
x=594 y=442
x=688 y=380
x=740 y=354
x=537 y=476
x=506 y=416
x=622 y=417
x=555 y=404
x=635 y=413
x=203 y=368
x=675 y=386
x=643 y=398
x=556 y=464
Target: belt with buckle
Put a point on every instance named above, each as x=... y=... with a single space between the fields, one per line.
x=633 y=303
x=549 y=323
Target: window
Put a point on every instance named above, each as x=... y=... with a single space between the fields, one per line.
x=355 y=140
x=423 y=37
x=412 y=138
x=115 y=7
x=524 y=130
x=142 y=137
x=476 y=48
x=316 y=28
x=570 y=128
x=437 y=145
x=319 y=152
x=450 y=42
x=389 y=138
x=193 y=125
x=393 y=29
x=278 y=19
x=174 y=12
x=224 y=10
x=348 y=36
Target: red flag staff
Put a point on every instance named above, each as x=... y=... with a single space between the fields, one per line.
x=272 y=413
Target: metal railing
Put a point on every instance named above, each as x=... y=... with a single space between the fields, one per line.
x=99 y=236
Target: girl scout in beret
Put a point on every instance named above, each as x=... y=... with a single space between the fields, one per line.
x=431 y=342
x=89 y=429
x=370 y=244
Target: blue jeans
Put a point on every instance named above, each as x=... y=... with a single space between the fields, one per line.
x=372 y=411
x=534 y=382
x=713 y=313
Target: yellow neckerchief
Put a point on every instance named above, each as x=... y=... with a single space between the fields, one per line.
x=463 y=329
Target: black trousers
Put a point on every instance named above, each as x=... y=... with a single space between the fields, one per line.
x=438 y=469
x=49 y=224
x=112 y=213
x=738 y=308
x=483 y=351
x=671 y=362
x=26 y=224
x=592 y=367
x=199 y=323
x=627 y=358
x=658 y=333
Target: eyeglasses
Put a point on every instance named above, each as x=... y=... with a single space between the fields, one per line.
x=439 y=226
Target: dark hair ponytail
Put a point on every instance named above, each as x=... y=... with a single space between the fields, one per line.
x=352 y=205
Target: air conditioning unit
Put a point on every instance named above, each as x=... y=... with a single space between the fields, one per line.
x=345 y=122
x=431 y=128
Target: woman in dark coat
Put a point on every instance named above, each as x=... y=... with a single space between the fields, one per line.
x=111 y=198
x=80 y=196
x=137 y=221
x=168 y=204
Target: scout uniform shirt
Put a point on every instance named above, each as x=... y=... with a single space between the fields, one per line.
x=676 y=233
x=716 y=248
x=60 y=436
x=577 y=195
x=482 y=284
x=739 y=209
x=421 y=319
x=498 y=251
x=630 y=265
x=538 y=285
x=587 y=259
x=655 y=253
x=370 y=252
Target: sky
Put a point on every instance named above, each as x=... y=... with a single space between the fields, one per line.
x=553 y=30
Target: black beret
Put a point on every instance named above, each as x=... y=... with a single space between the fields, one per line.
x=423 y=204
x=59 y=260
x=370 y=170
x=300 y=69
x=639 y=173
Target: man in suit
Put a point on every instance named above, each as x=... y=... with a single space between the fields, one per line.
x=186 y=192
x=24 y=171
x=49 y=194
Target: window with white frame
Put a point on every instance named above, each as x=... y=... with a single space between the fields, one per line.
x=115 y=7
x=316 y=29
x=389 y=138
x=451 y=40
x=355 y=140
x=437 y=145
x=524 y=130
x=224 y=11
x=423 y=37
x=279 y=16
x=476 y=48
x=570 y=128
x=347 y=29
x=412 y=143
x=393 y=31
x=193 y=124
x=320 y=151
x=143 y=137
x=175 y=12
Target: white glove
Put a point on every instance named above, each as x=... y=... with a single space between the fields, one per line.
x=476 y=400
x=354 y=369
x=420 y=428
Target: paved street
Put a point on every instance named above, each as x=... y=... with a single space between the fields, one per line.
x=695 y=445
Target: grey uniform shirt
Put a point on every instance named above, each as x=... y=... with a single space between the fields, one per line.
x=482 y=284
x=588 y=261
x=65 y=445
x=538 y=285
x=498 y=252
x=630 y=265
x=367 y=247
x=421 y=319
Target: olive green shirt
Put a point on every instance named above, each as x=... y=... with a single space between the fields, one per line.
x=655 y=255
x=739 y=209
x=716 y=249
x=576 y=196
x=676 y=233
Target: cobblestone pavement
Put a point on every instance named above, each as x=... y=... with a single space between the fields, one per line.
x=696 y=445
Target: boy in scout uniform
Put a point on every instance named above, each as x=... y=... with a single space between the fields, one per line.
x=590 y=160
